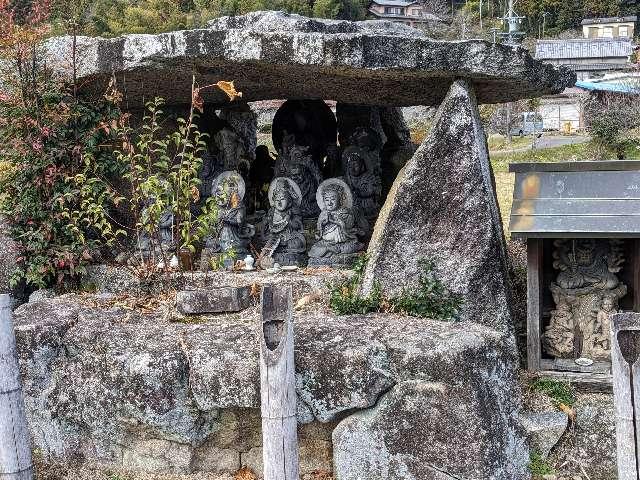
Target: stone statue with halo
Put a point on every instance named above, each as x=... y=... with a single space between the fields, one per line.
x=337 y=229
x=232 y=232
x=286 y=243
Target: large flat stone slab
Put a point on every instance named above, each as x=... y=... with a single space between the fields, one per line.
x=110 y=384
x=443 y=208
x=273 y=55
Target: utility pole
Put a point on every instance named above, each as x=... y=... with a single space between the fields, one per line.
x=544 y=22
x=480 y=14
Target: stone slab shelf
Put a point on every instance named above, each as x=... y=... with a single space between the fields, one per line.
x=272 y=55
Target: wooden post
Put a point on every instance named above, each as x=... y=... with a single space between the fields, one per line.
x=277 y=386
x=625 y=366
x=534 y=302
x=15 y=448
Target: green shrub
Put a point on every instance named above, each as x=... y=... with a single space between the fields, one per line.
x=430 y=299
x=345 y=298
x=538 y=465
x=560 y=392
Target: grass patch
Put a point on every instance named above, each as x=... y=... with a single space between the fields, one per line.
x=430 y=299
x=500 y=142
x=560 y=392
x=539 y=466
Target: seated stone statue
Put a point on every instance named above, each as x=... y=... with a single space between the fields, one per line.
x=233 y=233
x=337 y=230
x=286 y=243
x=296 y=163
x=364 y=182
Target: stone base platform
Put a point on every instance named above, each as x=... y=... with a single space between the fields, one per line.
x=379 y=396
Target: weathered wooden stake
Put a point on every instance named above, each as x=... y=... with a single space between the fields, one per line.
x=625 y=366
x=15 y=448
x=277 y=386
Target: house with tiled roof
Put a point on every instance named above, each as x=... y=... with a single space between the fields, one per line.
x=407 y=12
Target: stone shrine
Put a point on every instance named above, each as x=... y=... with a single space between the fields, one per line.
x=374 y=391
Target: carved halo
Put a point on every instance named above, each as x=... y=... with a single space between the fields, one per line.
x=347 y=196
x=293 y=188
x=226 y=177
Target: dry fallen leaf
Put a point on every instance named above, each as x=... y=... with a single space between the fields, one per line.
x=197 y=100
x=569 y=411
x=255 y=290
x=229 y=89
x=245 y=473
x=308 y=299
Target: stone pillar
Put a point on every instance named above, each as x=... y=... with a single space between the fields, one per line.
x=443 y=207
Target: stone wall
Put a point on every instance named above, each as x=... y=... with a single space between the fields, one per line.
x=154 y=391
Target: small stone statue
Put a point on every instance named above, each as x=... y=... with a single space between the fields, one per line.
x=296 y=163
x=337 y=230
x=365 y=183
x=586 y=291
x=233 y=232
x=367 y=139
x=286 y=243
x=603 y=339
x=231 y=148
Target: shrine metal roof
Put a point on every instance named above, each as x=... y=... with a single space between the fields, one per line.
x=583 y=48
x=576 y=199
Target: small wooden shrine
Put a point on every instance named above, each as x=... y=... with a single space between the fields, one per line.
x=581 y=221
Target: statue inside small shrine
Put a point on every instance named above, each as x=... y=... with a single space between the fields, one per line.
x=296 y=163
x=286 y=243
x=364 y=181
x=586 y=291
x=231 y=149
x=337 y=228
x=232 y=233
x=367 y=139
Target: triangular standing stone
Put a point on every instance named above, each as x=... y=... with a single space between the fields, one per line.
x=443 y=207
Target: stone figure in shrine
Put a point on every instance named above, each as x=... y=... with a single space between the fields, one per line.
x=586 y=291
x=294 y=162
x=286 y=243
x=232 y=151
x=337 y=228
x=367 y=139
x=364 y=181
x=211 y=168
x=232 y=233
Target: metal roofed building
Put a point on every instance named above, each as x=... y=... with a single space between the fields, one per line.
x=587 y=57
x=609 y=27
x=410 y=13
